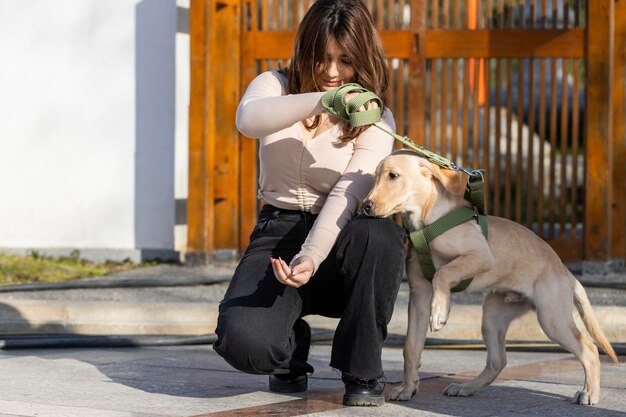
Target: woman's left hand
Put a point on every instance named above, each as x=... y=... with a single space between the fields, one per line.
x=295 y=277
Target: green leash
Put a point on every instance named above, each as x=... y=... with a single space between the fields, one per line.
x=334 y=101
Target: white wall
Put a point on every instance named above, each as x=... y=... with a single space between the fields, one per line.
x=87 y=122
x=181 y=164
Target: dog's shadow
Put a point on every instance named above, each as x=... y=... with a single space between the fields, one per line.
x=497 y=400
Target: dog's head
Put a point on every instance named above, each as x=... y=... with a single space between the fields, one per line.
x=406 y=181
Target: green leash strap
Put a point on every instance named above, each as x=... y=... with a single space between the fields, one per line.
x=421 y=238
x=334 y=101
x=475 y=190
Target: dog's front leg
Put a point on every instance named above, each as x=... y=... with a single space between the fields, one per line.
x=449 y=276
x=420 y=294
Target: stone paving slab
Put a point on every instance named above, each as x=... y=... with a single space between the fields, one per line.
x=191 y=381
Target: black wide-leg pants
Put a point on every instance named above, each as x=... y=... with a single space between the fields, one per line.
x=260 y=328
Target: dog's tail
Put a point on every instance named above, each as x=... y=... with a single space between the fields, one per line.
x=589 y=319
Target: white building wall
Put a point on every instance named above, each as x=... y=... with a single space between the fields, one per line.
x=87 y=122
x=181 y=164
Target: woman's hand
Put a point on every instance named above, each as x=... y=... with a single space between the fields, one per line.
x=295 y=277
x=372 y=104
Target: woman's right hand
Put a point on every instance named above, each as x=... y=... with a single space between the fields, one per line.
x=372 y=104
x=295 y=277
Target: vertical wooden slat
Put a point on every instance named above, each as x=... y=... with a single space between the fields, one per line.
x=265 y=15
x=553 y=144
x=295 y=14
x=497 y=186
x=399 y=110
x=456 y=13
x=475 y=117
x=575 y=134
x=553 y=132
x=443 y=102
x=531 y=160
x=486 y=114
x=455 y=90
x=509 y=121
x=225 y=54
x=282 y=11
x=443 y=107
x=564 y=132
x=274 y=22
x=520 y=141
x=618 y=243
x=575 y=131
x=599 y=130
x=487 y=136
x=455 y=111
x=380 y=15
x=248 y=147
x=473 y=13
x=509 y=138
x=433 y=105
x=465 y=111
x=498 y=140
x=432 y=134
x=200 y=222
x=417 y=72
x=564 y=145
x=542 y=140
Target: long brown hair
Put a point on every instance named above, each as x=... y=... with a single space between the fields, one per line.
x=350 y=24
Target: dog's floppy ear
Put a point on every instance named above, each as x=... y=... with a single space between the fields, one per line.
x=453 y=181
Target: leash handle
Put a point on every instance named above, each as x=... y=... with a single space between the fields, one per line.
x=334 y=101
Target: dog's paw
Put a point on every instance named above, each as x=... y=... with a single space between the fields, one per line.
x=585 y=398
x=458 y=390
x=438 y=317
x=403 y=392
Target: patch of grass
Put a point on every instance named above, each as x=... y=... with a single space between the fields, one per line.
x=39 y=268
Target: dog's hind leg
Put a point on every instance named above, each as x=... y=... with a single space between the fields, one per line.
x=556 y=320
x=419 y=313
x=497 y=316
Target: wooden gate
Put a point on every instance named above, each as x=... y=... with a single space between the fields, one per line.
x=500 y=85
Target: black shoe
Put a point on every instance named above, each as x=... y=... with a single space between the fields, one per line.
x=363 y=392
x=288 y=383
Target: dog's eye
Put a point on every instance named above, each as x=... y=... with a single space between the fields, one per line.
x=392 y=175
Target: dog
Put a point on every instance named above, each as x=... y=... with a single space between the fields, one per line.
x=520 y=270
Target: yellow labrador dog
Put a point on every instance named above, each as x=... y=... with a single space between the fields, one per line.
x=521 y=270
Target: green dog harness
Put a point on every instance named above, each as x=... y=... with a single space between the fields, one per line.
x=422 y=237
x=334 y=101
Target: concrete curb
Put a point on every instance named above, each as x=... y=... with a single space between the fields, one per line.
x=117 y=318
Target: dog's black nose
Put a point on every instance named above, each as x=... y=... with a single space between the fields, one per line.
x=367 y=206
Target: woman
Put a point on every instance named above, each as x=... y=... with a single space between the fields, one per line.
x=308 y=253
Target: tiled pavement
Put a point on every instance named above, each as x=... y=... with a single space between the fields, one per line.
x=193 y=381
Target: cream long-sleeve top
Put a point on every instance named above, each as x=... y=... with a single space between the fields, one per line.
x=321 y=175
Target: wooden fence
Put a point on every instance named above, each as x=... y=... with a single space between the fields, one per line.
x=530 y=90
